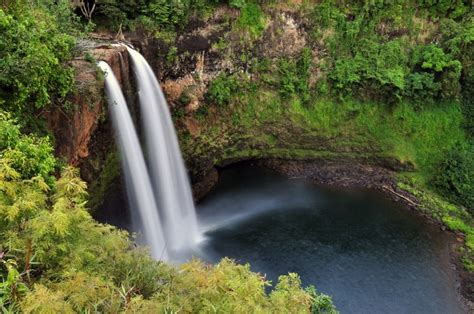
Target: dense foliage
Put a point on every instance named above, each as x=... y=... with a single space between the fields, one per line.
x=28 y=155
x=455 y=175
x=294 y=77
x=222 y=89
x=386 y=51
x=155 y=15
x=33 y=51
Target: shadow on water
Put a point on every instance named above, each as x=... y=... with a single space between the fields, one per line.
x=368 y=253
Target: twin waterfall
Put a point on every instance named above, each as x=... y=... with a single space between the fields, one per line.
x=159 y=188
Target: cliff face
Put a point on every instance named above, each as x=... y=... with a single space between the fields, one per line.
x=213 y=131
x=74 y=129
x=185 y=68
x=206 y=48
x=258 y=122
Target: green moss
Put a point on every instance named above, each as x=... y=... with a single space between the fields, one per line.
x=418 y=136
x=264 y=120
x=294 y=154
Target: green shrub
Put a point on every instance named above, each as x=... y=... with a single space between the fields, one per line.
x=152 y=15
x=455 y=177
x=322 y=304
x=166 y=12
x=29 y=155
x=446 y=70
x=432 y=57
x=294 y=76
x=251 y=20
x=223 y=88
x=378 y=69
x=449 y=8
x=33 y=51
x=374 y=52
x=421 y=87
x=117 y=13
x=62 y=12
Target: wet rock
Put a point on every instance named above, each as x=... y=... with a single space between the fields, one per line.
x=205 y=183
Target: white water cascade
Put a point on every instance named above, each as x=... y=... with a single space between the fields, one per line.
x=167 y=171
x=138 y=183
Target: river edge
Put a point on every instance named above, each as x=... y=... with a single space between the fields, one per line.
x=354 y=174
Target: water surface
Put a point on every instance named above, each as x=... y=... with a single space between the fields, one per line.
x=370 y=254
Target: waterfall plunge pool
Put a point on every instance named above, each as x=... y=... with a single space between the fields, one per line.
x=367 y=252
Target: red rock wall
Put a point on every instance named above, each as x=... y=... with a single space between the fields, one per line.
x=73 y=129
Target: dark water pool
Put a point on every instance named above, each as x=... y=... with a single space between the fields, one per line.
x=368 y=253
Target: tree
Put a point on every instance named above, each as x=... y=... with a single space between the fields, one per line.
x=87 y=7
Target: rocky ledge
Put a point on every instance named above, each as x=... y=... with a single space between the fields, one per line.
x=74 y=129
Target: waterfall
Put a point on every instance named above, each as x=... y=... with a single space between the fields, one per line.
x=167 y=171
x=137 y=180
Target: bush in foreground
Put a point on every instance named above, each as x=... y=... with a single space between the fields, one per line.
x=54 y=257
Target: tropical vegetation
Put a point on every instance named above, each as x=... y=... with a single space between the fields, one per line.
x=391 y=79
